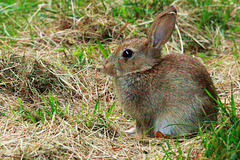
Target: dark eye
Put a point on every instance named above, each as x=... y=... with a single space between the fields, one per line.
x=128 y=53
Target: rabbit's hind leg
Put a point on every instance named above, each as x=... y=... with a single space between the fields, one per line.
x=172 y=127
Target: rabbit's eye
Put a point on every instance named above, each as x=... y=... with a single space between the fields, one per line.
x=128 y=53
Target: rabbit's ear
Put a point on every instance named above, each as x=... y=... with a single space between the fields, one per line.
x=162 y=27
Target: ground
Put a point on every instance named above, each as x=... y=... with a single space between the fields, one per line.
x=55 y=103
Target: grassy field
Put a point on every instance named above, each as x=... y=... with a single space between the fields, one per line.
x=54 y=102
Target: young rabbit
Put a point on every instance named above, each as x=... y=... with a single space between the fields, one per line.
x=163 y=93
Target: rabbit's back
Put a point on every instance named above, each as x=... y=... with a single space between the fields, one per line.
x=186 y=101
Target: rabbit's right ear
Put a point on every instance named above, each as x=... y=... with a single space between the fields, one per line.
x=162 y=27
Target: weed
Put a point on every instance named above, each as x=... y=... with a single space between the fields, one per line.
x=50 y=111
x=223 y=142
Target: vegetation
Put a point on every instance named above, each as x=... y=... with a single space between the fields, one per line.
x=54 y=102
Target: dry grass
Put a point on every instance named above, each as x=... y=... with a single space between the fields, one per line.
x=45 y=58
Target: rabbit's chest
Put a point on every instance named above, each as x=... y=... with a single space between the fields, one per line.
x=134 y=94
x=133 y=89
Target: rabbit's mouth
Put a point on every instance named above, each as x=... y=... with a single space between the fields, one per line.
x=109 y=69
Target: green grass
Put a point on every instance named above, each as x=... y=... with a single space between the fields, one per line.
x=223 y=142
x=217 y=13
x=50 y=111
x=133 y=10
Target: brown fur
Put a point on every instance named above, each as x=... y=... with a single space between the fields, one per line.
x=163 y=93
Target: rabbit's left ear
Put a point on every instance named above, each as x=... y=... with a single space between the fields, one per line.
x=162 y=27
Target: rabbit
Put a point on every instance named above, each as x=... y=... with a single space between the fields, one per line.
x=163 y=93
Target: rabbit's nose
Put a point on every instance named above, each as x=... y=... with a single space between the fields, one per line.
x=109 y=68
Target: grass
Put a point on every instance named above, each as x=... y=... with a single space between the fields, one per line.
x=223 y=142
x=54 y=102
